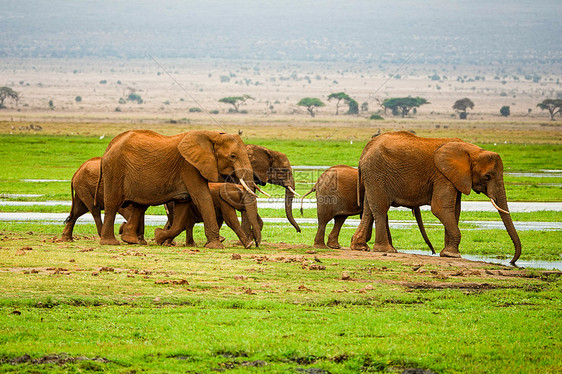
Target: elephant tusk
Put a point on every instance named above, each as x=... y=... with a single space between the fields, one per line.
x=293 y=191
x=262 y=191
x=247 y=188
x=498 y=208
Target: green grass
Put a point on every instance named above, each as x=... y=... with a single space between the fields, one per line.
x=270 y=307
x=283 y=307
x=58 y=157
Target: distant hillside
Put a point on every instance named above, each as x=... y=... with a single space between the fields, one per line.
x=438 y=31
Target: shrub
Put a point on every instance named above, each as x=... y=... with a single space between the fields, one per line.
x=78 y=99
x=505 y=111
x=195 y=110
x=376 y=117
x=214 y=111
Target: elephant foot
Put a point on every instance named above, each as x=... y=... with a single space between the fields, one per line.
x=450 y=252
x=359 y=246
x=190 y=243
x=334 y=245
x=214 y=244
x=142 y=240
x=248 y=244
x=386 y=248
x=130 y=239
x=320 y=246
x=109 y=241
x=160 y=236
x=67 y=238
x=222 y=238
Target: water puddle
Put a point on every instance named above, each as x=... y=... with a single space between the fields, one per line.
x=548 y=265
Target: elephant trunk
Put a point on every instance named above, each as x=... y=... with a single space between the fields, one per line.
x=252 y=214
x=503 y=210
x=289 y=195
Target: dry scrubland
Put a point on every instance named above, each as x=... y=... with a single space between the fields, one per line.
x=282 y=307
x=276 y=87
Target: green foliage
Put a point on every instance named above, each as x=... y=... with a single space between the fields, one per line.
x=353 y=106
x=51 y=105
x=403 y=105
x=78 y=99
x=311 y=103
x=135 y=97
x=505 y=111
x=554 y=106
x=195 y=110
x=463 y=105
x=236 y=101
x=376 y=117
x=8 y=93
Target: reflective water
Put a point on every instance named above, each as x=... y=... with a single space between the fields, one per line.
x=549 y=265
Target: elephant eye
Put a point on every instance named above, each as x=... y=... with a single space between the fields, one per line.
x=487 y=177
x=233 y=157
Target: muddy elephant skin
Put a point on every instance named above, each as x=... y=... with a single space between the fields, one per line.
x=401 y=169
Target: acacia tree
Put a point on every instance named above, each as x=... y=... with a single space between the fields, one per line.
x=353 y=106
x=403 y=105
x=311 y=103
x=8 y=93
x=236 y=101
x=462 y=106
x=554 y=107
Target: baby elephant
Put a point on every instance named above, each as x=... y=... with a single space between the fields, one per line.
x=336 y=197
x=227 y=198
x=83 y=190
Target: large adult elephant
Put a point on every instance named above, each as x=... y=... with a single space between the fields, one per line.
x=401 y=169
x=146 y=168
x=339 y=196
x=274 y=167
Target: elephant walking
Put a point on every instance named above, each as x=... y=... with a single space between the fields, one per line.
x=401 y=169
x=338 y=197
x=83 y=189
x=146 y=168
x=227 y=199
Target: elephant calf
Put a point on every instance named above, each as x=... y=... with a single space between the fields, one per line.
x=227 y=199
x=337 y=198
x=83 y=189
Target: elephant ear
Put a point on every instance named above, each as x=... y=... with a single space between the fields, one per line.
x=260 y=158
x=197 y=147
x=453 y=160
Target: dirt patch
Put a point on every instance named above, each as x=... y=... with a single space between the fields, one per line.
x=57 y=359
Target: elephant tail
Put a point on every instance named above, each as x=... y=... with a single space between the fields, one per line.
x=305 y=195
x=97 y=186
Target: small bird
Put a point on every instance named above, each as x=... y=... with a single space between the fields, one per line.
x=240 y=132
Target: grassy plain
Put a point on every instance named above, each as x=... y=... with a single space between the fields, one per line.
x=285 y=307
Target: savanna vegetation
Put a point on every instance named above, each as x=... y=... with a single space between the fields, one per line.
x=284 y=307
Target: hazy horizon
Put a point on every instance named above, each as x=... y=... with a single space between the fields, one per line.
x=502 y=32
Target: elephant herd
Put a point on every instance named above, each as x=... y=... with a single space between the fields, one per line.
x=207 y=176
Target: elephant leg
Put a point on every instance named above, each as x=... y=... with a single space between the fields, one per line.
x=107 y=231
x=321 y=231
x=383 y=239
x=335 y=233
x=364 y=231
x=182 y=216
x=134 y=223
x=201 y=196
x=231 y=220
x=448 y=217
x=77 y=210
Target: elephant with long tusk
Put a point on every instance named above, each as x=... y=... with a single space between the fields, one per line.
x=401 y=169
